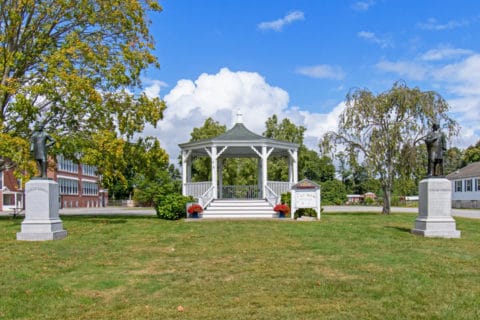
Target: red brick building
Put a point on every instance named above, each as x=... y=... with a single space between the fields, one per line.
x=11 y=195
x=79 y=186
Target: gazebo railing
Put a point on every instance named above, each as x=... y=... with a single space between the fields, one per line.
x=279 y=187
x=240 y=192
x=197 y=189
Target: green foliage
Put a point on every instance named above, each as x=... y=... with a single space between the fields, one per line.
x=285 y=131
x=314 y=167
x=173 y=206
x=368 y=201
x=333 y=192
x=472 y=154
x=202 y=166
x=76 y=67
x=14 y=154
x=305 y=212
x=386 y=129
x=286 y=198
x=453 y=160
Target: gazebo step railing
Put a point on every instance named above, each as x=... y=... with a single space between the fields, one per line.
x=240 y=192
x=271 y=196
x=205 y=199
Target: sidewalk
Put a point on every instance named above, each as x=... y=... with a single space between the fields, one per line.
x=124 y=211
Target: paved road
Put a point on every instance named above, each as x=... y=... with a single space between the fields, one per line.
x=466 y=213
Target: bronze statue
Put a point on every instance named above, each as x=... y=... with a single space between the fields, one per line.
x=39 y=143
x=436 y=147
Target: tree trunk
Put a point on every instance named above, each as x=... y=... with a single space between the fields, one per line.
x=387 y=196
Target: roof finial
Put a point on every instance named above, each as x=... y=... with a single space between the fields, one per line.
x=239 y=117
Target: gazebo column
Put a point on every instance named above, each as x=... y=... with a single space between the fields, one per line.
x=214 y=155
x=186 y=170
x=214 y=172
x=220 y=178
x=259 y=176
x=264 y=171
x=293 y=166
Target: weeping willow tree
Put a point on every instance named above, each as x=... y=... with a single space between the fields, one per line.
x=385 y=129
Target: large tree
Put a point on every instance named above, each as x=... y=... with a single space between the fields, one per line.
x=386 y=128
x=75 y=66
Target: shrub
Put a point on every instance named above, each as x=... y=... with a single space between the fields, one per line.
x=307 y=212
x=172 y=206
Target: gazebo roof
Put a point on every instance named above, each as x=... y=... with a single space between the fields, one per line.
x=239 y=142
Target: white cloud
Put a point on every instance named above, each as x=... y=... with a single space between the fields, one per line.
x=411 y=70
x=462 y=77
x=445 y=53
x=383 y=42
x=154 y=87
x=362 y=5
x=458 y=81
x=322 y=71
x=220 y=96
x=277 y=25
x=434 y=25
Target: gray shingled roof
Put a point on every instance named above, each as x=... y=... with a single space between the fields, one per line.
x=239 y=141
x=239 y=133
x=470 y=171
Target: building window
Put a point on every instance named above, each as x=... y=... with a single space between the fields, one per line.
x=1 y=180
x=458 y=186
x=66 y=165
x=88 y=170
x=68 y=186
x=476 y=186
x=468 y=185
x=89 y=188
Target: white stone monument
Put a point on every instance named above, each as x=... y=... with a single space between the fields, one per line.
x=42 y=221
x=434 y=209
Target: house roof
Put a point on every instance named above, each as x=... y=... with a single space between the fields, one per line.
x=470 y=171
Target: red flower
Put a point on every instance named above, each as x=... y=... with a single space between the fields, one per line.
x=195 y=208
x=281 y=208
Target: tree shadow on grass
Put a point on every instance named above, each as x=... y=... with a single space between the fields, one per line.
x=402 y=229
x=104 y=219
x=366 y=213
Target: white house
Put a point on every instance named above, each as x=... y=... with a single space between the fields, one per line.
x=466 y=186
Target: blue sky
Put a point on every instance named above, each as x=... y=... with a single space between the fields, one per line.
x=298 y=59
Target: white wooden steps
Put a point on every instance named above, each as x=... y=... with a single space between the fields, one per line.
x=238 y=209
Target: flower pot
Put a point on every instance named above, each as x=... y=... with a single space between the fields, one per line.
x=194 y=215
x=281 y=214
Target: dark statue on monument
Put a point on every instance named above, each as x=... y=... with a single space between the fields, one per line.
x=39 y=143
x=436 y=147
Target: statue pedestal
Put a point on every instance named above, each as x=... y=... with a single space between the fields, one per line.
x=435 y=209
x=42 y=221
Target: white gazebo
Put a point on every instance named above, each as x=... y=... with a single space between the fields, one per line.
x=238 y=142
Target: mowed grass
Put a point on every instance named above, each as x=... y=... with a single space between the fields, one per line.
x=347 y=266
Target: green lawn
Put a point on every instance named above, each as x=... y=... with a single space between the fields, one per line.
x=348 y=266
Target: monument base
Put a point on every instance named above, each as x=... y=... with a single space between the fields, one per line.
x=42 y=221
x=434 y=210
